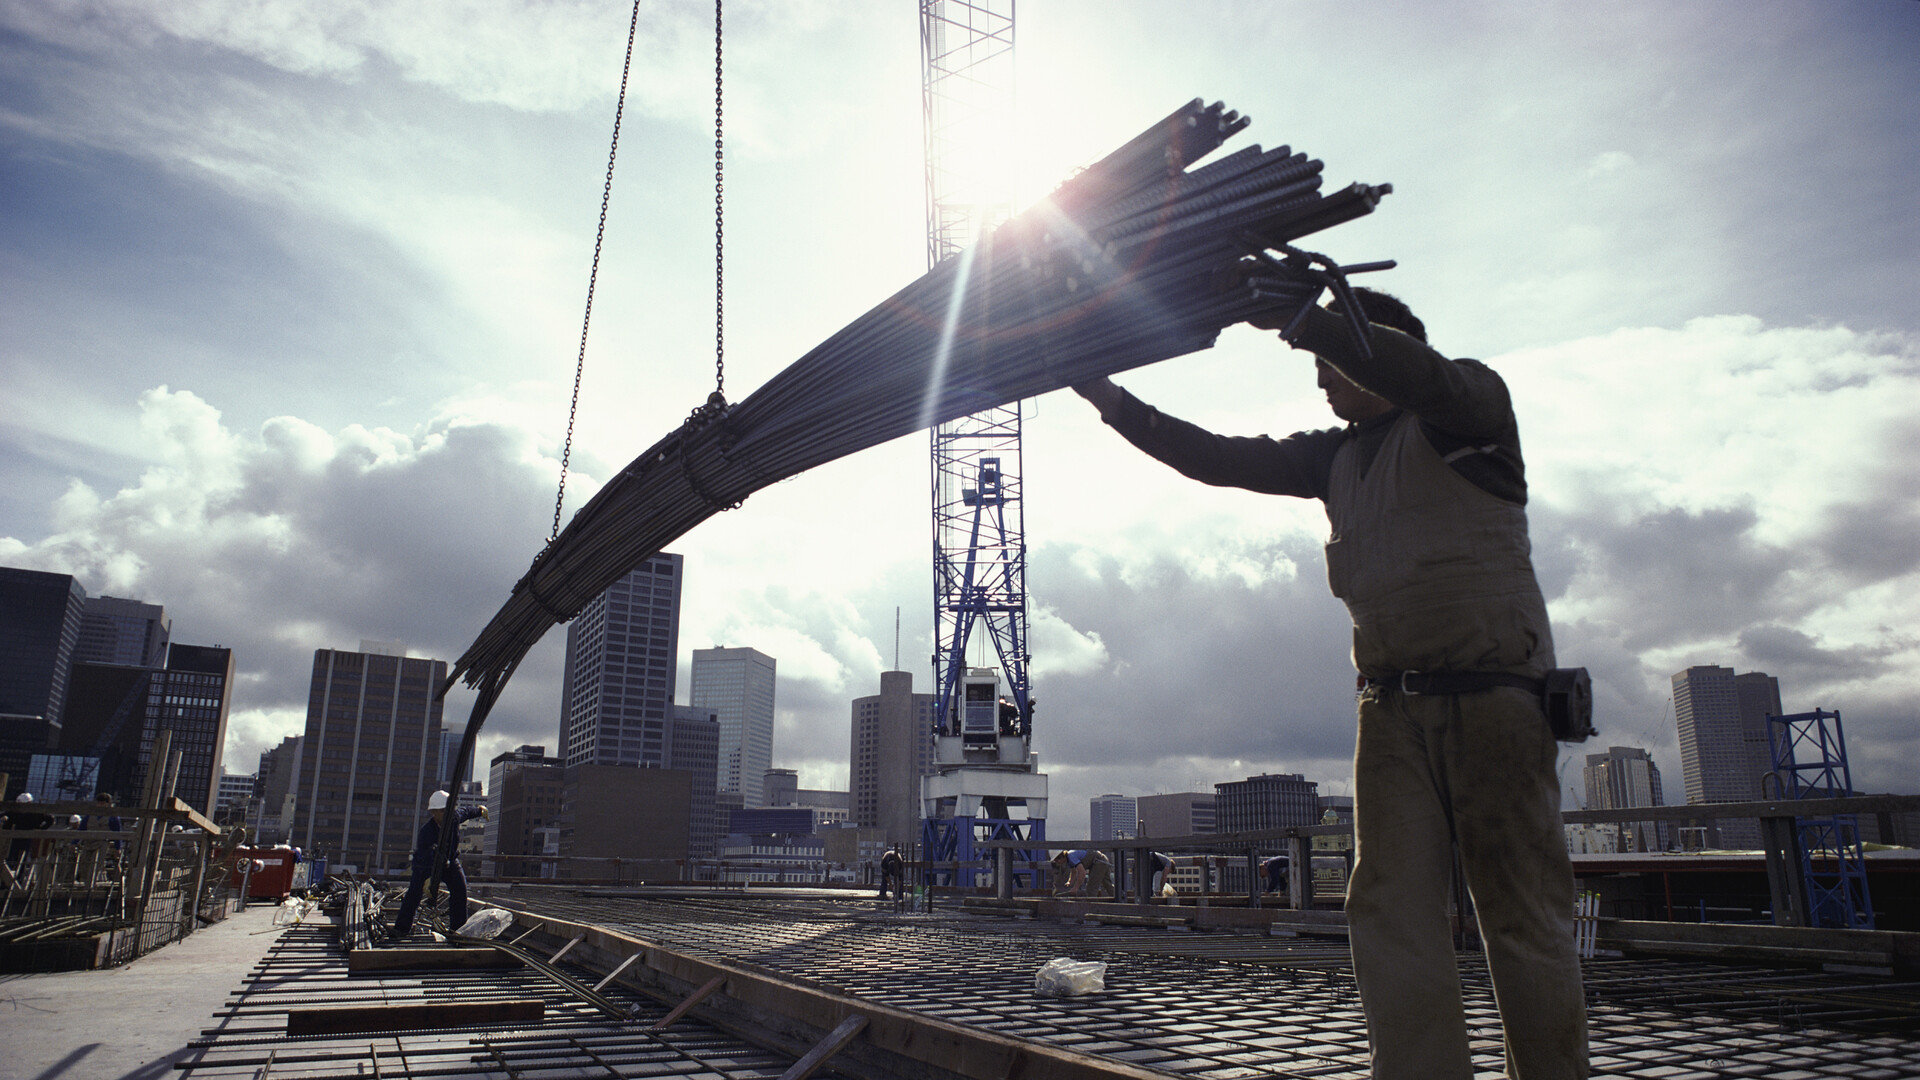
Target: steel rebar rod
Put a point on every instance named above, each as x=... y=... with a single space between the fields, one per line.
x=1118 y=268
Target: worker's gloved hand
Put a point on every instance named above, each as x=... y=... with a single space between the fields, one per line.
x=483 y=812
x=1250 y=276
x=1274 y=318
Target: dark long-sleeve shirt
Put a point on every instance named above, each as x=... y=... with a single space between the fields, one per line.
x=1464 y=409
x=428 y=837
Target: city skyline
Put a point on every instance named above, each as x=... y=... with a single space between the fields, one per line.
x=1747 y=695
x=289 y=309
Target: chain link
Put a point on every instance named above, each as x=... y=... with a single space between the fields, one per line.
x=593 y=276
x=719 y=214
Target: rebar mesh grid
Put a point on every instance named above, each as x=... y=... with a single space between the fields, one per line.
x=305 y=968
x=1227 y=1006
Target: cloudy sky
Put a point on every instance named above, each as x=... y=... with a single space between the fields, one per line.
x=290 y=296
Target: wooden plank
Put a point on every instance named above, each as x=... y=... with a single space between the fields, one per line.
x=564 y=949
x=347 y=1019
x=835 y=1041
x=427 y=958
x=689 y=1002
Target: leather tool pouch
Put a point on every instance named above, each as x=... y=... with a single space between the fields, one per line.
x=1568 y=700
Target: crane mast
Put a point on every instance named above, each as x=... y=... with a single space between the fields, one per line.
x=988 y=785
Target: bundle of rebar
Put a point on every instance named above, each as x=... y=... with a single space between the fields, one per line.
x=1137 y=259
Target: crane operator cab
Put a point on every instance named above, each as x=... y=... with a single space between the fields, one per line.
x=982 y=726
x=980 y=711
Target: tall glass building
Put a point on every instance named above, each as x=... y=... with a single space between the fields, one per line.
x=189 y=697
x=617 y=694
x=737 y=685
x=1722 y=723
x=1620 y=779
x=371 y=744
x=127 y=632
x=1112 y=817
x=40 y=615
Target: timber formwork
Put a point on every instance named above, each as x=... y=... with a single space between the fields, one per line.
x=1185 y=1003
x=305 y=979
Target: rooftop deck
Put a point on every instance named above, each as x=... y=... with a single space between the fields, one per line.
x=941 y=994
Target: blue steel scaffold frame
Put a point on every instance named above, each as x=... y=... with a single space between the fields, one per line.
x=1810 y=758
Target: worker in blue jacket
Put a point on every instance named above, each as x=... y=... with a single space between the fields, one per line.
x=425 y=845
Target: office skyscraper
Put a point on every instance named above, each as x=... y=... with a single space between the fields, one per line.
x=1112 y=817
x=1267 y=801
x=1625 y=777
x=1183 y=813
x=892 y=749
x=100 y=729
x=737 y=685
x=1722 y=722
x=450 y=740
x=693 y=746
x=40 y=616
x=616 y=698
x=504 y=765
x=371 y=743
x=128 y=632
x=279 y=775
x=189 y=697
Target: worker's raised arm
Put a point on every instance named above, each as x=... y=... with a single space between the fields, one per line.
x=1297 y=465
x=1463 y=397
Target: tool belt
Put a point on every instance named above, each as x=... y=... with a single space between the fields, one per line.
x=1566 y=694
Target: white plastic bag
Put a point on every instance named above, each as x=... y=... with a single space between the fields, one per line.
x=293 y=910
x=1070 y=978
x=486 y=923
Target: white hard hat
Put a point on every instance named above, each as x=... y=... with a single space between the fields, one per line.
x=437 y=801
x=25 y=796
x=74 y=821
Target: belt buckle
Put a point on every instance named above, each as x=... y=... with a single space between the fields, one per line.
x=1404 y=688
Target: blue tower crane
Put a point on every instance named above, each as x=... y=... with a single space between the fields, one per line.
x=988 y=784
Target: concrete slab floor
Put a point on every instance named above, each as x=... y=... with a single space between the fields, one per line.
x=132 y=1022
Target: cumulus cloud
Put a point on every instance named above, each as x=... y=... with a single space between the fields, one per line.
x=1726 y=493
x=292 y=538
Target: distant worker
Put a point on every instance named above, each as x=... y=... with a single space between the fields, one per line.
x=893 y=870
x=1275 y=870
x=425 y=846
x=1426 y=494
x=1087 y=872
x=1162 y=864
x=22 y=817
x=104 y=802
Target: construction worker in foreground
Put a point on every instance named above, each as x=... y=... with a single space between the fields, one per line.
x=1426 y=494
x=426 y=845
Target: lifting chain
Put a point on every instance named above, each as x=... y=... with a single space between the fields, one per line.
x=719 y=219
x=593 y=276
